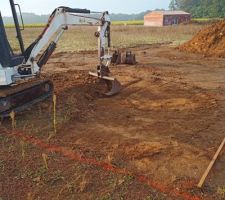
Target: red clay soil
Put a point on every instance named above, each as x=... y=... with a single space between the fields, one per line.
x=209 y=41
x=154 y=140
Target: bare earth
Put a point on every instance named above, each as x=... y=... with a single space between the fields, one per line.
x=166 y=125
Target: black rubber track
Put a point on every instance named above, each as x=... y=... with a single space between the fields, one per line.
x=26 y=97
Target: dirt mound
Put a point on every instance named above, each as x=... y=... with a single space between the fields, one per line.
x=209 y=41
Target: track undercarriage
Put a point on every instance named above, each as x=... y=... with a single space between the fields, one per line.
x=19 y=97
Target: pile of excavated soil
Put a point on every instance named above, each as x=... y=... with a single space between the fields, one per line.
x=209 y=41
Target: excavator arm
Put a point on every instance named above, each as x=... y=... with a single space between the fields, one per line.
x=59 y=21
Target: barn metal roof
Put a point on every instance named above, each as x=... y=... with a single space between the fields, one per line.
x=167 y=12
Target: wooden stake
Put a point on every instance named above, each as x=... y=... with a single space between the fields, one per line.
x=13 y=120
x=201 y=182
x=54 y=112
x=23 y=148
x=45 y=159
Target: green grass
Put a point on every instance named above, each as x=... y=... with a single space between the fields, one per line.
x=206 y=20
x=26 y=25
x=131 y=22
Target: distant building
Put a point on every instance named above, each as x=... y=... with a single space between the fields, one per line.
x=166 y=18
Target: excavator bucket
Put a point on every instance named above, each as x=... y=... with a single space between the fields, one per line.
x=129 y=58
x=116 y=58
x=113 y=85
x=19 y=97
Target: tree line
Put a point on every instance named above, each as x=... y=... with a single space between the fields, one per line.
x=31 y=18
x=200 y=8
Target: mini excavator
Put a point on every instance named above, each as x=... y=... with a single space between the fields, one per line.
x=20 y=82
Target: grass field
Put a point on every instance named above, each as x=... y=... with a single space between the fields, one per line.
x=82 y=38
x=206 y=20
x=131 y=22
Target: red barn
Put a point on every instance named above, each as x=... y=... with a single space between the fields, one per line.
x=166 y=18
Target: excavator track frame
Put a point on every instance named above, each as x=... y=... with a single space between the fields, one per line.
x=20 y=97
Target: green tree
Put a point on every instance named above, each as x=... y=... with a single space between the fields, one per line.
x=173 y=5
x=203 y=8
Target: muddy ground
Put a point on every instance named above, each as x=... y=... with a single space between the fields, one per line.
x=165 y=125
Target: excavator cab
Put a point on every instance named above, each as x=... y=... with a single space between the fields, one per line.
x=8 y=58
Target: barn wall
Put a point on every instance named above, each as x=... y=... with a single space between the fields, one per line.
x=153 y=20
x=175 y=19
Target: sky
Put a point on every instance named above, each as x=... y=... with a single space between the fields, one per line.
x=113 y=6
